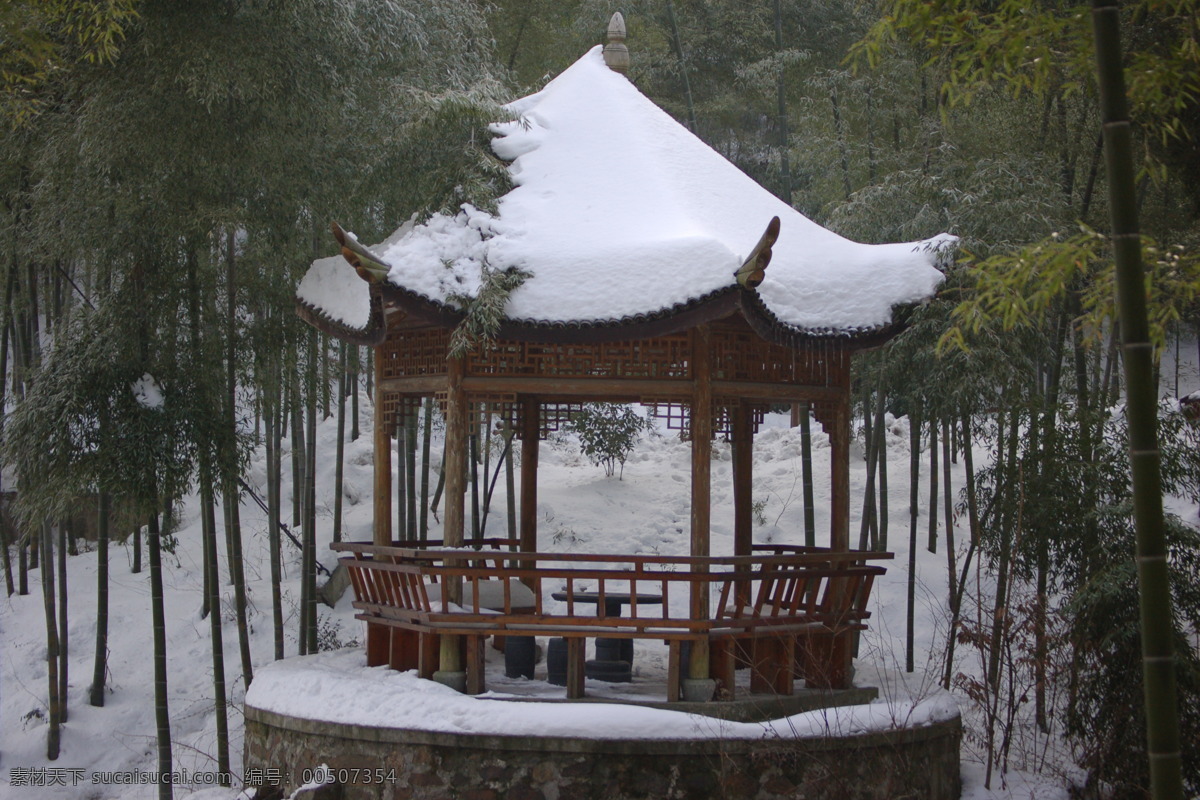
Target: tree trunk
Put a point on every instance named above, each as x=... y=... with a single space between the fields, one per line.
x=63 y=627
x=1158 y=660
x=298 y=457
x=310 y=516
x=881 y=462
x=914 y=503
x=340 y=455
x=100 y=668
x=933 y=485
x=9 y=586
x=275 y=503
x=162 y=715
x=22 y=565
x=400 y=431
x=948 y=506
x=868 y=524
x=354 y=432
x=208 y=523
x=973 y=522
x=1007 y=524
x=806 y=476
x=54 y=730
x=238 y=571
x=423 y=526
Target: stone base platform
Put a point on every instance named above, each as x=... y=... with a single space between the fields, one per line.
x=380 y=763
x=387 y=735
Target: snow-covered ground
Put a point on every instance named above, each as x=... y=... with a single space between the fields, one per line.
x=579 y=509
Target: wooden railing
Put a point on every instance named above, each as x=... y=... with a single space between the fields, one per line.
x=759 y=608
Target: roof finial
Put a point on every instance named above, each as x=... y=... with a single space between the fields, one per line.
x=616 y=54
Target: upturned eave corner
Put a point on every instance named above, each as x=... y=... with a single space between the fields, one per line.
x=370 y=336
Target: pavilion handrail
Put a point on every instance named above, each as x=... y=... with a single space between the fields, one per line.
x=746 y=582
x=805 y=556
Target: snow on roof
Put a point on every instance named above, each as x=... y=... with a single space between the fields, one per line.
x=333 y=288
x=619 y=211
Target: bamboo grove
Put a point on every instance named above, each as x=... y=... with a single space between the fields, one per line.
x=168 y=171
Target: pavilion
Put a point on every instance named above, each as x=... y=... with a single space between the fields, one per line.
x=634 y=264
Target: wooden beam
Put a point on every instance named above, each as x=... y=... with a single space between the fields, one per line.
x=383 y=462
x=415 y=384
x=618 y=389
x=582 y=387
x=783 y=392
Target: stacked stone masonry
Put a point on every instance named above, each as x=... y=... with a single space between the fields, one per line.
x=916 y=763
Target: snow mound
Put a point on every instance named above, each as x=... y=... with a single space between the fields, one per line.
x=338 y=687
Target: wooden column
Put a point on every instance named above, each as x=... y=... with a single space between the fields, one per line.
x=701 y=428
x=456 y=454
x=450 y=664
x=379 y=637
x=743 y=479
x=840 y=648
x=839 y=454
x=530 y=431
x=383 y=460
x=743 y=485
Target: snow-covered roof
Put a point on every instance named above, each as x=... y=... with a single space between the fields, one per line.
x=620 y=212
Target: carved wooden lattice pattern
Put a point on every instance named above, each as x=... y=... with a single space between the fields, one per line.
x=396 y=406
x=408 y=353
x=507 y=409
x=740 y=354
x=678 y=415
x=661 y=357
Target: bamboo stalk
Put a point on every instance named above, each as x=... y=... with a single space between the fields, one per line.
x=1158 y=666
x=100 y=665
x=162 y=714
x=914 y=481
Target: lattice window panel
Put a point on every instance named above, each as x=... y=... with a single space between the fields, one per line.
x=740 y=354
x=554 y=416
x=662 y=357
x=406 y=353
x=396 y=406
x=678 y=415
x=505 y=407
x=723 y=418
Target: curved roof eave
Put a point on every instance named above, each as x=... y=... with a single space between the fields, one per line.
x=709 y=308
x=370 y=336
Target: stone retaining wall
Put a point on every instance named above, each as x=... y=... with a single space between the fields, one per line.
x=392 y=764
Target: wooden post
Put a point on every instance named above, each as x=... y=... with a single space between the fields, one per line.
x=530 y=431
x=743 y=485
x=456 y=455
x=701 y=427
x=383 y=464
x=839 y=448
x=839 y=669
x=450 y=671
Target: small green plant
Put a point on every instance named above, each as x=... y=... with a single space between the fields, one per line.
x=759 y=509
x=607 y=434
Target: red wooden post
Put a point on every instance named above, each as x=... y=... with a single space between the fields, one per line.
x=383 y=458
